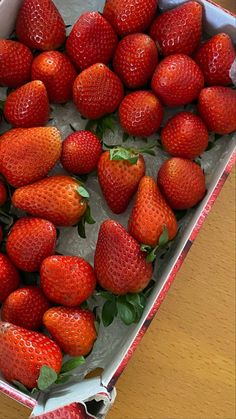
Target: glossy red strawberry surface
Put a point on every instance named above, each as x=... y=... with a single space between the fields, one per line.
x=9 y=277
x=15 y=63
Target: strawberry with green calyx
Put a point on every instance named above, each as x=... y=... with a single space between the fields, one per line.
x=152 y=251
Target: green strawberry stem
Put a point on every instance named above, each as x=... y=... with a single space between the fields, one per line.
x=152 y=251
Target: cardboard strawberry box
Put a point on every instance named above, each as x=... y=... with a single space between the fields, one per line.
x=92 y=396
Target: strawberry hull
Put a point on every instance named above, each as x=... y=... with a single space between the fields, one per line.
x=117 y=343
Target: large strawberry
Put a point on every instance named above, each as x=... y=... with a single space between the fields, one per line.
x=140 y=113
x=25 y=307
x=15 y=63
x=72 y=328
x=120 y=265
x=9 y=277
x=217 y=107
x=58 y=74
x=215 y=58
x=97 y=91
x=67 y=280
x=28 y=106
x=3 y=193
x=178 y=30
x=39 y=25
x=30 y=241
x=23 y=353
x=92 y=40
x=177 y=80
x=135 y=60
x=28 y=154
x=127 y=16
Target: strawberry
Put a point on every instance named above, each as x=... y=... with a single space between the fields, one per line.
x=28 y=154
x=119 y=264
x=25 y=307
x=127 y=16
x=72 y=328
x=58 y=74
x=92 y=40
x=67 y=280
x=217 y=107
x=177 y=80
x=9 y=277
x=182 y=182
x=178 y=30
x=135 y=60
x=215 y=58
x=81 y=152
x=185 y=135
x=3 y=193
x=23 y=352
x=15 y=63
x=28 y=105
x=150 y=214
x=29 y=242
x=140 y=113
x=97 y=91
x=39 y=25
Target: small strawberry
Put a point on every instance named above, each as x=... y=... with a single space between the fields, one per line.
x=177 y=80
x=67 y=280
x=97 y=91
x=27 y=106
x=140 y=113
x=58 y=74
x=217 y=107
x=150 y=214
x=3 y=193
x=9 y=277
x=127 y=16
x=15 y=63
x=119 y=264
x=178 y=30
x=23 y=353
x=92 y=40
x=25 y=307
x=39 y=25
x=72 y=328
x=182 y=183
x=215 y=58
x=28 y=154
x=81 y=152
x=135 y=60
x=29 y=242
x=185 y=135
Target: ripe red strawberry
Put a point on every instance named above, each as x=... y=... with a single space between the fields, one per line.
x=215 y=58
x=67 y=280
x=119 y=179
x=3 y=193
x=119 y=264
x=39 y=25
x=25 y=307
x=92 y=40
x=217 y=107
x=28 y=106
x=177 y=80
x=56 y=198
x=182 y=182
x=72 y=328
x=140 y=113
x=185 y=135
x=178 y=30
x=28 y=154
x=29 y=242
x=58 y=74
x=9 y=277
x=127 y=16
x=23 y=352
x=150 y=214
x=135 y=60
x=81 y=151
x=97 y=91
x=15 y=63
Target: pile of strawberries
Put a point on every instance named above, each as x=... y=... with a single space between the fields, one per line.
x=131 y=59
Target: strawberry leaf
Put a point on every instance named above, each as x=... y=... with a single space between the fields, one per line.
x=152 y=255
x=83 y=192
x=88 y=217
x=109 y=312
x=63 y=378
x=120 y=153
x=126 y=311
x=72 y=363
x=46 y=378
x=20 y=386
x=164 y=238
x=145 y=248
x=134 y=299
